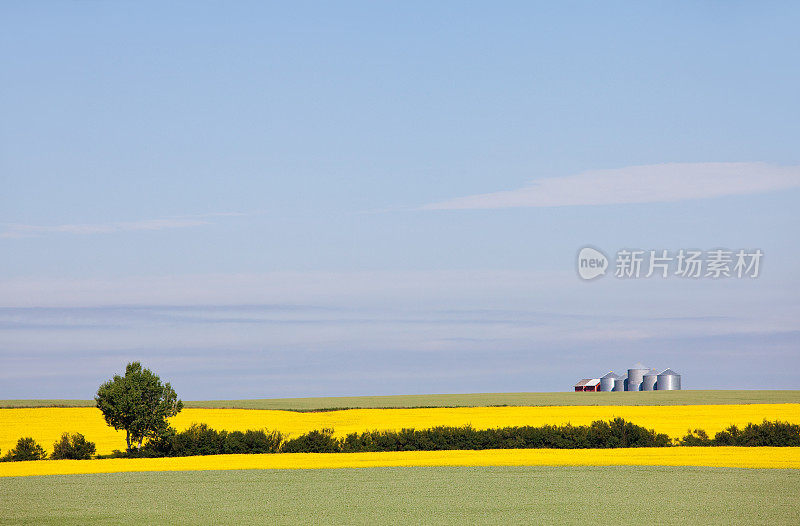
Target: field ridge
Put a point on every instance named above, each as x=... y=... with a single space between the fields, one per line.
x=685 y=397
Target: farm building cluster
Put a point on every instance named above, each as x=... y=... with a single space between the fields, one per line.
x=639 y=378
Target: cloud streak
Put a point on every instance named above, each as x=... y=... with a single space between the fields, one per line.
x=656 y=183
x=339 y=331
x=15 y=231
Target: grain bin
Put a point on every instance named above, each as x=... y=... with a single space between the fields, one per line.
x=619 y=383
x=635 y=375
x=649 y=381
x=668 y=380
x=608 y=382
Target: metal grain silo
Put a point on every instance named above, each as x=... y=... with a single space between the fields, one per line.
x=668 y=380
x=619 y=383
x=649 y=381
x=608 y=382
x=635 y=375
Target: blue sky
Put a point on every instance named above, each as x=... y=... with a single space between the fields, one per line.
x=301 y=199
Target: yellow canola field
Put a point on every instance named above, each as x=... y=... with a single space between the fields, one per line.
x=741 y=457
x=45 y=425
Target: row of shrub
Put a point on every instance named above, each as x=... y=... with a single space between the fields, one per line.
x=199 y=439
x=74 y=447
x=616 y=433
x=775 y=434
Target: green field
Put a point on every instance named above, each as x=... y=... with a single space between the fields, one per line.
x=487 y=495
x=475 y=400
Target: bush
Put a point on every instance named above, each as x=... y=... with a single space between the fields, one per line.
x=696 y=437
x=313 y=442
x=200 y=439
x=259 y=441
x=728 y=437
x=27 y=449
x=775 y=434
x=619 y=433
x=74 y=447
x=161 y=445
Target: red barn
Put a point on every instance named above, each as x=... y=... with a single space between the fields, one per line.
x=588 y=384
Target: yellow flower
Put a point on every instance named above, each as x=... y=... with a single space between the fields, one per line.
x=46 y=425
x=740 y=457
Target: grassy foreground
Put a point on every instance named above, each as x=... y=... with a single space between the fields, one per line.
x=713 y=397
x=473 y=495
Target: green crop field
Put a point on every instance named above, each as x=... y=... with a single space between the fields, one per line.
x=475 y=400
x=488 y=495
x=4 y=404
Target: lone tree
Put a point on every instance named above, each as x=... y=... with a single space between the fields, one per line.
x=138 y=403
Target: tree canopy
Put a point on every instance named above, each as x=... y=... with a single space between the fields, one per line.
x=74 y=447
x=27 y=449
x=138 y=403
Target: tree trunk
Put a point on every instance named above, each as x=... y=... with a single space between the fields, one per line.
x=128 y=439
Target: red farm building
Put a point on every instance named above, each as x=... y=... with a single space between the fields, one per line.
x=588 y=384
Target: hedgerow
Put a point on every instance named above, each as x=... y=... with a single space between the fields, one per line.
x=616 y=433
x=199 y=439
x=774 y=434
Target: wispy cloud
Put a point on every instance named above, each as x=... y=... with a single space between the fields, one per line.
x=338 y=331
x=637 y=184
x=19 y=230
x=15 y=230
